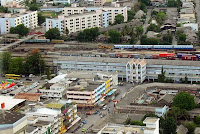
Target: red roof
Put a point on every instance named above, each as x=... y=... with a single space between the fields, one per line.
x=33 y=32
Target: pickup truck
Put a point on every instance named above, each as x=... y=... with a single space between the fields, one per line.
x=92 y=112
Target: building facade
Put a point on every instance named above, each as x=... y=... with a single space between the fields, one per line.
x=90 y=93
x=78 y=22
x=29 y=19
x=175 y=69
x=13 y=123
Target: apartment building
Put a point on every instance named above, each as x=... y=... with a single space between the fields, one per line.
x=29 y=19
x=63 y=1
x=8 y=2
x=99 y=2
x=79 y=22
x=175 y=69
x=86 y=89
x=112 y=11
x=13 y=123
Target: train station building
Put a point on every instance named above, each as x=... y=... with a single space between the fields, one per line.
x=133 y=70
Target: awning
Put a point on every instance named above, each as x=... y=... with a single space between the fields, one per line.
x=110 y=93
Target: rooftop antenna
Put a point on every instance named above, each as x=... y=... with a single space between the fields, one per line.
x=3 y=112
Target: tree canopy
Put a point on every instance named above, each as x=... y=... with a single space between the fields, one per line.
x=41 y=19
x=6 y=60
x=153 y=27
x=19 y=29
x=146 y=2
x=34 y=64
x=53 y=33
x=4 y=9
x=114 y=36
x=88 y=35
x=149 y=41
x=131 y=14
x=161 y=17
x=16 y=66
x=119 y=19
x=169 y=126
x=184 y=100
x=172 y=3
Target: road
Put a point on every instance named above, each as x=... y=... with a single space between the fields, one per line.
x=197 y=10
x=92 y=119
x=148 y=16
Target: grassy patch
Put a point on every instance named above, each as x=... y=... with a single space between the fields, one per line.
x=49 y=14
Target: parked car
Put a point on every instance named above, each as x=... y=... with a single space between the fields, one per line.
x=105 y=107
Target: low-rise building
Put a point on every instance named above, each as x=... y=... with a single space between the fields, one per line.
x=29 y=19
x=158 y=3
x=55 y=91
x=13 y=123
x=152 y=127
x=11 y=103
x=63 y=1
x=174 y=69
x=88 y=89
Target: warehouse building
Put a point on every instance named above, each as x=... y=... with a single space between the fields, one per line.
x=174 y=69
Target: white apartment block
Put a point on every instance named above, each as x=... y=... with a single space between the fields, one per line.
x=9 y=2
x=112 y=11
x=99 y=2
x=29 y=19
x=79 y=22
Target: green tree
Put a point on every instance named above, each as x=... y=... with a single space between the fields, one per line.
x=169 y=126
x=167 y=37
x=197 y=120
x=4 y=10
x=186 y=79
x=41 y=19
x=149 y=41
x=146 y=2
x=139 y=30
x=172 y=3
x=119 y=19
x=66 y=31
x=182 y=37
x=190 y=126
x=161 y=77
x=19 y=29
x=48 y=73
x=161 y=17
x=6 y=60
x=131 y=14
x=16 y=66
x=153 y=27
x=33 y=7
x=178 y=113
x=53 y=33
x=34 y=63
x=184 y=100
x=114 y=36
x=88 y=35
x=143 y=7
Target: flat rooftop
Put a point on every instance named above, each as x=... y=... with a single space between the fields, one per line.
x=113 y=128
x=125 y=60
x=150 y=120
x=10 y=117
x=28 y=96
x=10 y=101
